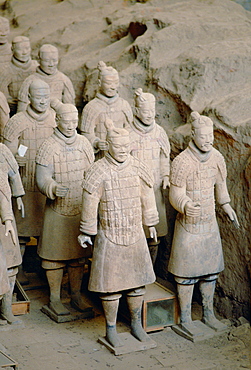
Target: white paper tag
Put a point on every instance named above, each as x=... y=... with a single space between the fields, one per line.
x=22 y=150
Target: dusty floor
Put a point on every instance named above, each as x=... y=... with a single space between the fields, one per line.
x=44 y=344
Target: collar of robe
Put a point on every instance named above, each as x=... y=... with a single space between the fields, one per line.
x=115 y=164
x=21 y=65
x=106 y=99
x=67 y=140
x=140 y=126
x=201 y=156
x=40 y=117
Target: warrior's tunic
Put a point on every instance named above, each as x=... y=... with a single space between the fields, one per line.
x=29 y=129
x=9 y=177
x=95 y=112
x=61 y=87
x=62 y=161
x=150 y=144
x=6 y=214
x=201 y=178
x=122 y=196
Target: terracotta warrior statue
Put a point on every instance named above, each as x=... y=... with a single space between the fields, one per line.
x=5 y=46
x=11 y=185
x=150 y=144
x=198 y=179
x=20 y=67
x=23 y=135
x=60 y=85
x=4 y=113
x=106 y=104
x=62 y=160
x=118 y=191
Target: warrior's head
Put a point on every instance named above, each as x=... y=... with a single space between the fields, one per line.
x=67 y=119
x=108 y=80
x=21 y=48
x=202 y=132
x=118 y=141
x=48 y=59
x=4 y=30
x=39 y=96
x=144 y=107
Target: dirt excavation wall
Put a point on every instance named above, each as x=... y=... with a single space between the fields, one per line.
x=192 y=55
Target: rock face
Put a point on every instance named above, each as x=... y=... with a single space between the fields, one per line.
x=192 y=55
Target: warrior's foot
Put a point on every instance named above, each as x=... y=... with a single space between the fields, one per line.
x=112 y=336
x=139 y=333
x=191 y=329
x=213 y=323
x=11 y=319
x=80 y=304
x=58 y=308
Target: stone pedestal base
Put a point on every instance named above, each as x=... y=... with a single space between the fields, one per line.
x=131 y=344
x=74 y=315
x=203 y=332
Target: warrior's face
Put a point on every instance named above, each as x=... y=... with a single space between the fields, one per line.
x=39 y=99
x=49 y=62
x=119 y=148
x=22 y=51
x=109 y=85
x=68 y=123
x=146 y=112
x=203 y=138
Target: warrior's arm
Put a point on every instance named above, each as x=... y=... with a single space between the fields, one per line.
x=89 y=214
x=178 y=197
x=68 y=92
x=149 y=209
x=45 y=183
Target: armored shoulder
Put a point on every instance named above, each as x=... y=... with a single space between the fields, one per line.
x=86 y=147
x=143 y=171
x=127 y=110
x=46 y=151
x=95 y=176
x=89 y=114
x=221 y=164
x=8 y=157
x=180 y=168
x=3 y=104
x=163 y=140
x=14 y=127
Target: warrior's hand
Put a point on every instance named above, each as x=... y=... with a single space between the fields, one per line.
x=102 y=145
x=84 y=240
x=166 y=182
x=61 y=191
x=231 y=214
x=10 y=229
x=20 y=206
x=192 y=209
x=153 y=233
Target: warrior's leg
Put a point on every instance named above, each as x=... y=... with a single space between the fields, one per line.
x=185 y=289
x=54 y=273
x=207 y=288
x=153 y=249
x=22 y=278
x=6 y=304
x=76 y=272
x=110 y=304
x=134 y=301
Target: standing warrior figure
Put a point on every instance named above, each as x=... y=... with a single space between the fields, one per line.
x=27 y=130
x=118 y=190
x=61 y=87
x=198 y=178
x=62 y=161
x=4 y=113
x=150 y=144
x=10 y=182
x=106 y=104
x=5 y=46
x=19 y=69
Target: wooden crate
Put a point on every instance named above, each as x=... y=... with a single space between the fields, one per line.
x=7 y=361
x=22 y=304
x=160 y=308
